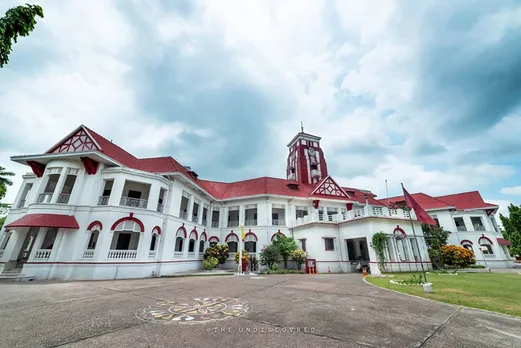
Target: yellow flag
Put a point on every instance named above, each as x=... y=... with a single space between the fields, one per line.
x=242 y=232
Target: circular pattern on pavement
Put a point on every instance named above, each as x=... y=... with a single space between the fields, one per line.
x=184 y=310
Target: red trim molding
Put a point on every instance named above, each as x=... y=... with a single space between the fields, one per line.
x=157 y=230
x=277 y=233
x=128 y=218
x=229 y=235
x=37 y=168
x=205 y=236
x=315 y=203
x=90 y=165
x=399 y=229
x=214 y=239
x=466 y=241
x=483 y=237
x=182 y=228
x=93 y=224
x=196 y=234
x=250 y=233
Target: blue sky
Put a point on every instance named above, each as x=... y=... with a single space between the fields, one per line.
x=425 y=93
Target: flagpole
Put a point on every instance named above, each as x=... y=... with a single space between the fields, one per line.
x=416 y=240
x=387 y=193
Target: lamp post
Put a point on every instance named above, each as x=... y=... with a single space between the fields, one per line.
x=481 y=248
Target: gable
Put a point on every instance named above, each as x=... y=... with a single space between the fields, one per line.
x=79 y=141
x=329 y=187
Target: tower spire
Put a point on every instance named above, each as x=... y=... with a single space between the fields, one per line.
x=302 y=126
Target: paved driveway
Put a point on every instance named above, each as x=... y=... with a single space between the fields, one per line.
x=274 y=311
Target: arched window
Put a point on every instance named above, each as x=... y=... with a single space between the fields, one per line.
x=250 y=242
x=126 y=234
x=277 y=234
x=486 y=246
x=154 y=242
x=93 y=239
x=179 y=240
x=401 y=244
x=202 y=242
x=467 y=244
x=233 y=241
x=191 y=242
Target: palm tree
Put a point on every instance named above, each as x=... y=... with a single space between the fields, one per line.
x=4 y=181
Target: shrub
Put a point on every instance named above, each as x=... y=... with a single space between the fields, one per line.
x=269 y=255
x=379 y=244
x=210 y=263
x=457 y=256
x=414 y=280
x=283 y=271
x=299 y=256
x=275 y=267
x=244 y=254
x=219 y=251
x=286 y=246
x=476 y=266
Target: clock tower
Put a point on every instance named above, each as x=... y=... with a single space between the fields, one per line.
x=306 y=162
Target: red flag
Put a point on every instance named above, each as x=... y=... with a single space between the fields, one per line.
x=418 y=210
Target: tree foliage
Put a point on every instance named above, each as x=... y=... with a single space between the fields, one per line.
x=2 y=221
x=210 y=263
x=245 y=255
x=269 y=256
x=379 y=244
x=18 y=21
x=4 y=181
x=512 y=228
x=299 y=256
x=435 y=238
x=286 y=246
x=219 y=251
x=457 y=256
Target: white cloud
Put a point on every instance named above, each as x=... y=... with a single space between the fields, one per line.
x=514 y=190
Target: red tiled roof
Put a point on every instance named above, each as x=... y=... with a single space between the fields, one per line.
x=466 y=200
x=503 y=241
x=257 y=186
x=359 y=196
x=45 y=220
x=113 y=151
x=425 y=201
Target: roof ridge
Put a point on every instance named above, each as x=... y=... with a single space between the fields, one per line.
x=460 y=193
x=109 y=141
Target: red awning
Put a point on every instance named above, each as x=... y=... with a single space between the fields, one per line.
x=503 y=241
x=45 y=220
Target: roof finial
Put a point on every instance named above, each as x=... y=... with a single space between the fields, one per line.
x=302 y=126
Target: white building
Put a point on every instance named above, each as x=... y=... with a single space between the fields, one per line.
x=472 y=224
x=91 y=210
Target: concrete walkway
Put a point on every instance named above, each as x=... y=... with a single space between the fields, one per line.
x=328 y=311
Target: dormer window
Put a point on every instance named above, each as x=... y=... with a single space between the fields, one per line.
x=293 y=186
x=193 y=174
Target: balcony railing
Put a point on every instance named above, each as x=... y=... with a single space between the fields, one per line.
x=215 y=223
x=159 y=208
x=133 y=202
x=183 y=214
x=233 y=223
x=461 y=228
x=250 y=222
x=278 y=222
x=479 y=228
x=21 y=204
x=152 y=254
x=378 y=211
x=320 y=216
x=63 y=198
x=122 y=254
x=88 y=254
x=42 y=254
x=194 y=218
x=44 y=197
x=103 y=200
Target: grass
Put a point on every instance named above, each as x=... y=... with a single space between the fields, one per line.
x=491 y=291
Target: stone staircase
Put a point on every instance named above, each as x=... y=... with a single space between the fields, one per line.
x=13 y=273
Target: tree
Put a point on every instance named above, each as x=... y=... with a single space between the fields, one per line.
x=379 y=244
x=285 y=245
x=2 y=221
x=512 y=228
x=269 y=255
x=435 y=238
x=4 y=181
x=457 y=256
x=18 y=21
x=299 y=256
x=219 y=251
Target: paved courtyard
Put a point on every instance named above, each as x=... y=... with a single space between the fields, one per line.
x=226 y=311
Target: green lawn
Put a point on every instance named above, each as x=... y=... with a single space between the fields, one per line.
x=491 y=291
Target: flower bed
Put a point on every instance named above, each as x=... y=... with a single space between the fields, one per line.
x=404 y=282
x=443 y=273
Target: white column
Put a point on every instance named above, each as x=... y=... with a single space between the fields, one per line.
x=81 y=185
x=242 y=215
x=269 y=209
x=117 y=191
x=200 y=213
x=38 y=241
x=287 y=212
x=103 y=245
x=59 y=185
x=153 y=196
x=57 y=245
x=144 y=245
x=190 y=208
x=468 y=223
x=14 y=245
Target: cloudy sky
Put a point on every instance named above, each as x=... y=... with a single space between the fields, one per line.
x=425 y=93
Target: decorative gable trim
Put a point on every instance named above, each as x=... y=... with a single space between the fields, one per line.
x=91 y=166
x=329 y=187
x=37 y=168
x=78 y=141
